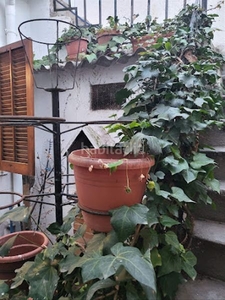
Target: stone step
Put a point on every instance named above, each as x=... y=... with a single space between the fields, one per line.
x=218 y=154
x=202 y=289
x=214 y=212
x=208 y=245
x=213 y=137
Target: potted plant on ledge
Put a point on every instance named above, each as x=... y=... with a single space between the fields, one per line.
x=76 y=40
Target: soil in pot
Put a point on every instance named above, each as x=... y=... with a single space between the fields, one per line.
x=25 y=247
x=100 y=190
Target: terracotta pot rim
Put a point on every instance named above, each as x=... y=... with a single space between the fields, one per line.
x=27 y=255
x=104 y=156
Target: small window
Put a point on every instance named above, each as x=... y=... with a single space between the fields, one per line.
x=103 y=96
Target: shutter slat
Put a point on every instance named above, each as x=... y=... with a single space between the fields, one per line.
x=16 y=98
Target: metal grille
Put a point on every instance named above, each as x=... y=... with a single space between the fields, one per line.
x=85 y=8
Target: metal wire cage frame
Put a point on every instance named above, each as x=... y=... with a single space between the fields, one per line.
x=49 y=48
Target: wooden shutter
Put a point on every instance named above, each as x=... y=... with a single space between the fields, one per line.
x=16 y=99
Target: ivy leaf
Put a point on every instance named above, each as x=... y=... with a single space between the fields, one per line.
x=5 y=248
x=189 y=175
x=189 y=80
x=156 y=258
x=136 y=144
x=189 y=261
x=132 y=260
x=125 y=218
x=171 y=239
x=17 y=214
x=43 y=275
x=66 y=262
x=169 y=284
x=91 y=57
x=179 y=194
x=167 y=113
x=214 y=184
x=97 y=266
x=21 y=274
x=69 y=219
x=199 y=102
x=171 y=262
x=113 y=166
x=200 y=160
x=4 y=288
x=150 y=238
x=102 y=284
x=175 y=165
x=149 y=73
x=167 y=221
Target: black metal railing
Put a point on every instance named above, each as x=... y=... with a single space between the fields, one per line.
x=80 y=12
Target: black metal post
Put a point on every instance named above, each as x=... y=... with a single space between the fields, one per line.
x=57 y=155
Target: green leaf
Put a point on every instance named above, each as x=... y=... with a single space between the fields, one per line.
x=98 y=266
x=5 y=248
x=171 y=262
x=17 y=214
x=189 y=175
x=171 y=239
x=168 y=46
x=167 y=221
x=150 y=238
x=156 y=258
x=132 y=260
x=102 y=284
x=169 y=284
x=124 y=219
x=189 y=261
x=91 y=57
x=69 y=219
x=44 y=275
x=113 y=166
x=179 y=194
x=137 y=143
x=200 y=160
x=67 y=263
x=189 y=80
x=21 y=274
x=4 y=288
x=176 y=165
x=214 y=184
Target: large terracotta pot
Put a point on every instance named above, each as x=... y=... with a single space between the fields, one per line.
x=26 y=246
x=75 y=47
x=100 y=191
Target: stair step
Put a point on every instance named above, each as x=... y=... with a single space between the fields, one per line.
x=202 y=289
x=208 y=245
x=215 y=212
x=218 y=154
x=210 y=231
x=213 y=137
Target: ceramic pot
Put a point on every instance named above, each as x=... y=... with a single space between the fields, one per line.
x=104 y=37
x=26 y=246
x=75 y=47
x=100 y=190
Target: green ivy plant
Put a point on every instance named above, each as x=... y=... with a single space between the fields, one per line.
x=172 y=94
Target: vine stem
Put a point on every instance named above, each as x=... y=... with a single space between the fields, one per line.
x=136 y=235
